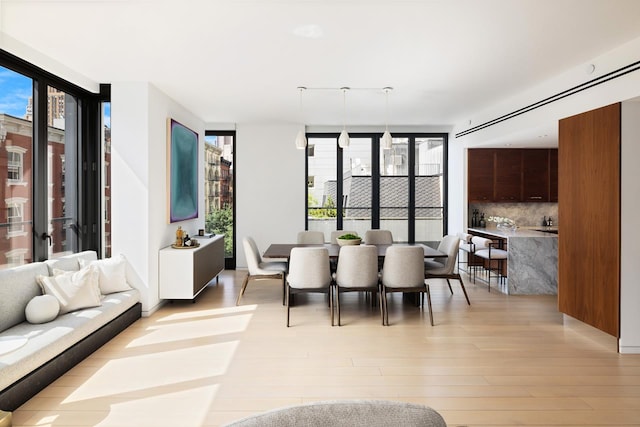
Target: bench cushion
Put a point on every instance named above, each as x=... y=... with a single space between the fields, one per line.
x=17 y=287
x=45 y=341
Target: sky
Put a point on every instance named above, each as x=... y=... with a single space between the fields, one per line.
x=15 y=90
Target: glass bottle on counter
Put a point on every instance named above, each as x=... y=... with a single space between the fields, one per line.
x=483 y=223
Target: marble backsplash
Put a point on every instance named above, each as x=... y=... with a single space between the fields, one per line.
x=524 y=214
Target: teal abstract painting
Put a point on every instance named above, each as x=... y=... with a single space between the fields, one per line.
x=183 y=172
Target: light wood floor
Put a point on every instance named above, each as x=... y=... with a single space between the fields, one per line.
x=503 y=361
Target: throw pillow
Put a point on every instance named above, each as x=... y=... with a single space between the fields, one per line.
x=42 y=309
x=112 y=277
x=73 y=289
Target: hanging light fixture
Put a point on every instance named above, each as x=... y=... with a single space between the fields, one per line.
x=343 y=140
x=387 y=140
x=301 y=139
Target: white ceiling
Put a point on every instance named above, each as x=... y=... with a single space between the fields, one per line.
x=239 y=61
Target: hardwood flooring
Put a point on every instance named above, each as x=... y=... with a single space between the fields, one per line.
x=503 y=361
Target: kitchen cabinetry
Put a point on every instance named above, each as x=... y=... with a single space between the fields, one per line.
x=512 y=175
x=184 y=273
x=480 y=175
x=553 y=175
x=535 y=175
x=508 y=172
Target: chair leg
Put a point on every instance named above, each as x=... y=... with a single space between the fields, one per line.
x=337 y=305
x=429 y=303
x=449 y=283
x=385 y=309
x=331 y=304
x=284 y=280
x=242 y=289
x=463 y=289
x=380 y=302
x=288 y=296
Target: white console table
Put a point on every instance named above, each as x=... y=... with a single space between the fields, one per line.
x=184 y=273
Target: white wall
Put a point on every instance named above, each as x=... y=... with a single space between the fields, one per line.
x=139 y=221
x=630 y=224
x=270 y=185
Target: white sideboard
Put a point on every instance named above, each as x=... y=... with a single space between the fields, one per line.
x=184 y=273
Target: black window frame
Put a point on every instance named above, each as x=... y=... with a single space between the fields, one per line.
x=375 y=176
x=88 y=129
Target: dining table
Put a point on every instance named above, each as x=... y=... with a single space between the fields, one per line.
x=283 y=250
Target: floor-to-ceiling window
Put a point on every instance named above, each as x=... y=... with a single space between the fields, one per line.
x=16 y=151
x=105 y=139
x=48 y=130
x=363 y=186
x=219 y=185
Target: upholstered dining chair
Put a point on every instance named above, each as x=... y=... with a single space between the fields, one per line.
x=378 y=237
x=337 y=233
x=308 y=272
x=403 y=271
x=357 y=271
x=259 y=269
x=311 y=237
x=445 y=269
x=488 y=250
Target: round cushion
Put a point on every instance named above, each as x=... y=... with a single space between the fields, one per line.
x=42 y=309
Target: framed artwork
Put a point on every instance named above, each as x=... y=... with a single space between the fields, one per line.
x=182 y=165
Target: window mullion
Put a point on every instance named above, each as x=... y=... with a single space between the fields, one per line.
x=40 y=170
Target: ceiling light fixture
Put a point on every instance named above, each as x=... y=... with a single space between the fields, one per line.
x=301 y=139
x=343 y=140
x=387 y=139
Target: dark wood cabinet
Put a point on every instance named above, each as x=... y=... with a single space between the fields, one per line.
x=553 y=175
x=512 y=175
x=535 y=175
x=589 y=254
x=480 y=175
x=508 y=172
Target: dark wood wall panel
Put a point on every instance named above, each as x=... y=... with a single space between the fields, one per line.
x=589 y=218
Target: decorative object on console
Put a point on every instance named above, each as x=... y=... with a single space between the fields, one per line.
x=182 y=164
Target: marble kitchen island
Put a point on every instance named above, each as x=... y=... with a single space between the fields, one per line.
x=532 y=263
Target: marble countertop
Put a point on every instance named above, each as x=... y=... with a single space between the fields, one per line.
x=519 y=232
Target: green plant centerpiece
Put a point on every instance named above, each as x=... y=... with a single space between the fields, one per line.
x=349 y=239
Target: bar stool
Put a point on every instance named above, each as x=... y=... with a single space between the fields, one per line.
x=466 y=247
x=487 y=249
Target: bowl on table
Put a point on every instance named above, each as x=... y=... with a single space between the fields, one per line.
x=348 y=240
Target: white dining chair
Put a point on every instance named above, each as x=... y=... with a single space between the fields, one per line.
x=357 y=271
x=308 y=272
x=444 y=268
x=403 y=271
x=310 y=237
x=259 y=269
x=378 y=237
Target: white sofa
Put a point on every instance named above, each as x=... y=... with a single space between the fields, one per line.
x=34 y=355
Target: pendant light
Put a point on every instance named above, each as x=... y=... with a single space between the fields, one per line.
x=343 y=140
x=301 y=139
x=387 y=140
